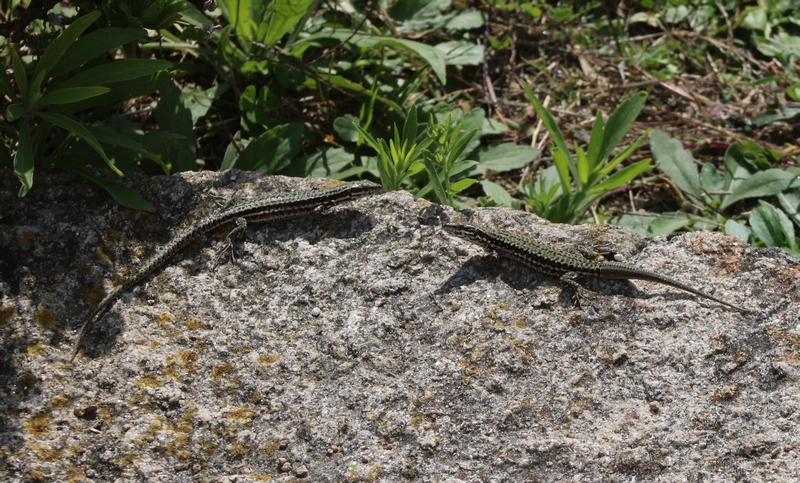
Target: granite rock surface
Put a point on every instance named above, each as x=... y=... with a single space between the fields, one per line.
x=365 y=344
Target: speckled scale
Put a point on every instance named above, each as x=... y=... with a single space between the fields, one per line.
x=557 y=262
x=279 y=207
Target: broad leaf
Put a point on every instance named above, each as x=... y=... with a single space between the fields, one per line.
x=503 y=157
x=498 y=194
x=676 y=162
x=652 y=225
x=772 y=226
x=761 y=184
x=273 y=150
x=285 y=14
x=174 y=117
x=461 y=185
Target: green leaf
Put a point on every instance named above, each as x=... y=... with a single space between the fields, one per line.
x=623 y=155
x=738 y=230
x=460 y=166
x=761 y=184
x=20 y=76
x=244 y=15
x=285 y=14
x=711 y=180
x=199 y=100
x=434 y=182
x=497 y=193
x=79 y=130
x=651 y=225
x=547 y=120
x=461 y=185
x=122 y=194
x=120 y=91
x=345 y=83
x=583 y=166
x=676 y=162
x=461 y=52
x=70 y=94
x=273 y=150
x=59 y=46
x=783 y=113
x=621 y=177
x=93 y=44
x=772 y=226
x=433 y=56
x=459 y=146
x=174 y=117
x=23 y=160
x=473 y=120
x=503 y=157
x=117 y=71
x=113 y=138
x=14 y=112
x=619 y=122
x=5 y=84
x=596 y=142
x=422 y=13
x=790 y=203
x=561 y=162
x=466 y=19
x=793 y=91
x=344 y=127
x=325 y=163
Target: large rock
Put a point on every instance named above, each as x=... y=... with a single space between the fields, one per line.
x=365 y=344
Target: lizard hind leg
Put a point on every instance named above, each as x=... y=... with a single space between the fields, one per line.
x=241 y=226
x=578 y=291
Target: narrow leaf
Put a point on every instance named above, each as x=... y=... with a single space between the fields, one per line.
x=582 y=165
x=560 y=161
x=93 y=44
x=23 y=160
x=596 y=142
x=20 y=77
x=122 y=194
x=79 y=130
x=433 y=181
x=59 y=46
x=621 y=177
x=70 y=94
x=117 y=71
x=624 y=154
x=113 y=138
x=461 y=185
x=5 y=84
x=547 y=120
x=619 y=122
